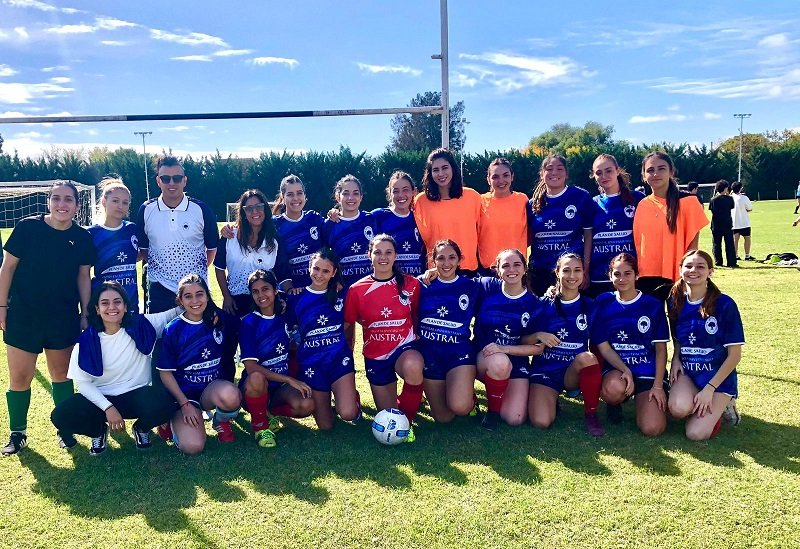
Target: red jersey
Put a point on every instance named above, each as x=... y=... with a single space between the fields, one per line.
x=386 y=316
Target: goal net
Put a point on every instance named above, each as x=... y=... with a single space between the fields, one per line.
x=20 y=199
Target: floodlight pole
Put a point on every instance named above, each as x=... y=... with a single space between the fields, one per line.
x=741 y=118
x=444 y=58
x=144 y=153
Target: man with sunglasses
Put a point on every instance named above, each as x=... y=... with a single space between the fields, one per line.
x=177 y=235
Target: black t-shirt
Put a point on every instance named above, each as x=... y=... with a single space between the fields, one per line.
x=721 y=206
x=49 y=260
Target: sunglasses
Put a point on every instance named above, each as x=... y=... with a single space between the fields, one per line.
x=254 y=208
x=175 y=178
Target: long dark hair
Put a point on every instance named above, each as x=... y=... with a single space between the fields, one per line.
x=211 y=316
x=553 y=293
x=673 y=191
x=677 y=294
x=92 y=315
x=623 y=179
x=269 y=278
x=332 y=293
x=280 y=203
x=496 y=264
x=429 y=186
x=539 y=198
x=445 y=242
x=397 y=175
x=266 y=234
x=397 y=272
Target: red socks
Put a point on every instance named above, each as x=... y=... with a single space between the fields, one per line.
x=410 y=399
x=495 y=389
x=257 y=406
x=589 y=382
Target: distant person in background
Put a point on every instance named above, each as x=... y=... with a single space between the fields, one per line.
x=797 y=195
x=741 y=219
x=721 y=207
x=692 y=187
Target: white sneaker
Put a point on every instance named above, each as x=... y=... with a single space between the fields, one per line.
x=731 y=416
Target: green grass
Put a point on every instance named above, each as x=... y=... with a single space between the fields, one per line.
x=457 y=486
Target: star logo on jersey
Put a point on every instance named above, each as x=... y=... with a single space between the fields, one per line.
x=622 y=336
x=205 y=354
x=406 y=246
x=562 y=333
x=550 y=224
x=630 y=210
x=309 y=372
x=711 y=325
x=643 y=324
x=122 y=257
x=692 y=338
x=312 y=232
x=442 y=311
x=279 y=348
x=356 y=247
x=611 y=223
x=386 y=312
x=322 y=320
x=302 y=248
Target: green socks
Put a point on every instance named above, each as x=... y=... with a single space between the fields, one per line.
x=62 y=390
x=18 y=404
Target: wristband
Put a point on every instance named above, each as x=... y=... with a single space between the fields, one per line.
x=4 y=306
x=185 y=404
x=712 y=385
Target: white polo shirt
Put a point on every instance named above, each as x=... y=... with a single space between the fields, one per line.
x=241 y=263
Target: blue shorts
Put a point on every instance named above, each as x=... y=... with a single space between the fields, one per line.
x=440 y=359
x=550 y=378
x=321 y=377
x=729 y=386
x=381 y=372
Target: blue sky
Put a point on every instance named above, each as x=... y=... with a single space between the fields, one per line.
x=675 y=73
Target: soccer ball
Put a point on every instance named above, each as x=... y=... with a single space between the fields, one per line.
x=390 y=426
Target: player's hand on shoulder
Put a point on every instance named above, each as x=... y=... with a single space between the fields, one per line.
x=227 y=230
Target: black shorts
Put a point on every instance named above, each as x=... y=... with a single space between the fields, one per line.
x=745 y=231
x=33 y=332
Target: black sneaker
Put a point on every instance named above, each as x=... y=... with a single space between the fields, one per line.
x=614 y=413
x=99 y=444
x=66 y=441
x=16 y=442
x=491 y=421
x=142 y=439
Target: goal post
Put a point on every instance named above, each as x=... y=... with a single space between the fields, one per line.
x=20 y=199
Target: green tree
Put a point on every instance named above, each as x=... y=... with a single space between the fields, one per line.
x=423 y=132
x=561 y=137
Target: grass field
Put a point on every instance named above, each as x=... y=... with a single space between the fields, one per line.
x=458 y=485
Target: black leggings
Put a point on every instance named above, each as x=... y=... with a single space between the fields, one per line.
x=79 y=416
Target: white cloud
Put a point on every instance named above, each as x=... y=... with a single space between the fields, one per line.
x=190 y=39
x=509 y=72
x=231 y=53
x=396 y=69
x=674 y=108
x=21 y=32
x=5 y=70
x=56 y=68
x=639 y=119
x=110 y=23
x=461 y=80
x=61 y=80
x=35 y=4
x=774 y=41
x=29 y=135
x=114 y=43
x=71 y=29
x=778 y=83
x=711 y=116
x=291 y=63
x=203 y=58
x=176 y=129
x=15 y=93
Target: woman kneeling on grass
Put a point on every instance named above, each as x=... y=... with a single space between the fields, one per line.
x=264 y=340
x=631 y=332
x=190 y=369
x=111 y=364
x=708 y=335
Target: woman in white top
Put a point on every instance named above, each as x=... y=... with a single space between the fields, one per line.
x=111 y=364
x=741 y=219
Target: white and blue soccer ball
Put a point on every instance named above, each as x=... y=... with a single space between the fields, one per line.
x=390 y=426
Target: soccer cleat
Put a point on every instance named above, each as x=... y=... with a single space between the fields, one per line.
x=593 y=424
x=731 y=416
x=165 y=431
x=66 y=441
x=490 y=421
x=99 y=444
x=265 y=438
x=224 y=430
x=573 y=393
x=16 y=442
x=275 y=424
x=411 y=436
x=749 y=258
x=142 y=439
x=614 y=413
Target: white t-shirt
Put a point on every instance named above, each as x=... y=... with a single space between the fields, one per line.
x=742 y=205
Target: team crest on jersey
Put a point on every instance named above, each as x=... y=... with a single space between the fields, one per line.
x=135 y=242
x=525 y=319
x=463 y=302
x=630 y=209
x=368 y=232
x=643 y=324
x=346 y=361
x=581 y=322
x=313 y=233
x=711 y=325
x=405 y=297
x=218 y=336
x=339 y=305
x=570 y=211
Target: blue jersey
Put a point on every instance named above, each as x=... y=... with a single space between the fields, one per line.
x=350 y=239
x=192 y=351
x=504 y=319
x=704 y=341
x=265 y=339
x=569 y=321
x=321 y=326
x=558 y=228
x=632 y=328
x=298 y=239
x=612 y=232
x=446 y=310
x=116 y=257
x=410 y=249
